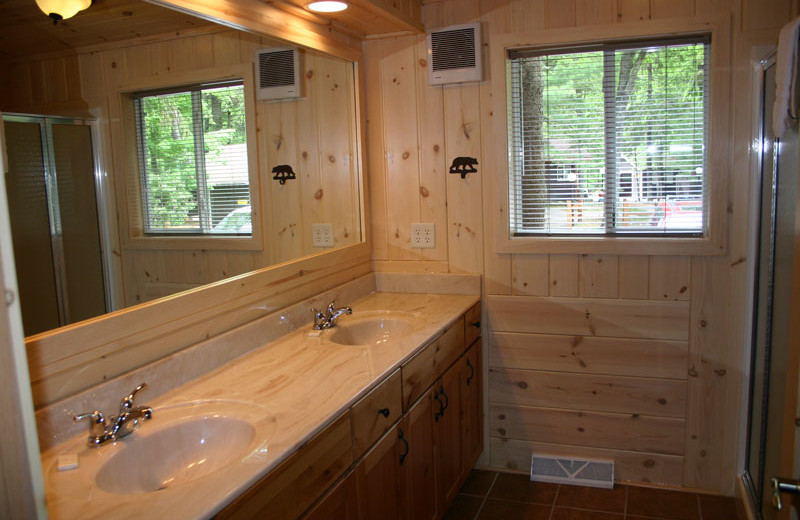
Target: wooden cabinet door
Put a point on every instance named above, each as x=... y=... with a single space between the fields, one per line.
x=419 y=467
x=380 y=480
x=447 y=416
x=341 y=503
x=472 y=406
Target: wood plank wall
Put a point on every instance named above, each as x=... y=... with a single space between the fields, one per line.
x=315 y=134
x=634 y=358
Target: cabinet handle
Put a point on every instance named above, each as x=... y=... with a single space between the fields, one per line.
x=476 y=324
x=405 y=441
x=384 y=412
x=440 y=413
x=471 y=372
x=446 y=399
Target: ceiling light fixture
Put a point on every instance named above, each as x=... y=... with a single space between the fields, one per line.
x=326 y=7
x=62 y=9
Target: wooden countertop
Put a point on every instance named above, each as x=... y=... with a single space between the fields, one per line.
x=301 y=382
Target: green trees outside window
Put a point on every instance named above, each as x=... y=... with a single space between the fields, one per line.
x=609 y=138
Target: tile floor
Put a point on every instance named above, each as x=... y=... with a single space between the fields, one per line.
x=488 y=495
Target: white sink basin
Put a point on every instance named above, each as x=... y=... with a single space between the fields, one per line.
x=182 y=443
x=373 y=328
x=178 y=453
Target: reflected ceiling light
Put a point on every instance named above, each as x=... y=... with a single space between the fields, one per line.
x=326 y=7
x=62 y=9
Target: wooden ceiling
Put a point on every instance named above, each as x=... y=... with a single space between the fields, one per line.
x=26 y=31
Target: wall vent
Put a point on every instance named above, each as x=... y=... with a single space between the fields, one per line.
x=278 y=74
x=579 y=472
x=454 y=54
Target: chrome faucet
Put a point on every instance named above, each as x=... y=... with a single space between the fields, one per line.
x=327 y=319
x=126 y=422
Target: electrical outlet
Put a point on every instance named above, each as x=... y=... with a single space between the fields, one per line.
x=423 y=235
x=322 y=234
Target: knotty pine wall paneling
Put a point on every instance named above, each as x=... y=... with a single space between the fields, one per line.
x=583 y=350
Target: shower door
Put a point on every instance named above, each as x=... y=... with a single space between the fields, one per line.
x=52 y=200
x=773 y=367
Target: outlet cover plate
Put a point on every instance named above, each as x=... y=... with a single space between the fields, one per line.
x=423 y=235
x=322 y=234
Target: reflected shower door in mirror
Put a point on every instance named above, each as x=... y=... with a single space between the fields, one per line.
x=57 y=236
x=316 y=135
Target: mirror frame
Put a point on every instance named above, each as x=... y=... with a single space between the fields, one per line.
x=70 y=359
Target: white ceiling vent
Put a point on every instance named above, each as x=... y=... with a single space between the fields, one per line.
x=278 y=74
x=454 y=54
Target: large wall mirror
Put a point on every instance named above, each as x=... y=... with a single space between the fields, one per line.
x=137 y=107
x=170 y=217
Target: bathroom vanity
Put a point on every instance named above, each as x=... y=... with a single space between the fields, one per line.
x=378 y=417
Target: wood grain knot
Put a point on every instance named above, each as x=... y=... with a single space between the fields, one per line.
x=406 y=155
x=305 y=155
x=424 y=191
x=423 y=62
x=661 y=400
x=436 y=148
x=522 y=384
x=331 y=159
x=649 y=463
x=318 y=194
x=720 y=372
x=501 y=431
x=703 y=323
x=310 y=74
x=502 y=416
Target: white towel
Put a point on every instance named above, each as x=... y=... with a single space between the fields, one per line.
x=785 y=77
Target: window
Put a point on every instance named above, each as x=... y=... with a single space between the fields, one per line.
x=193 y=168
x=609 y=139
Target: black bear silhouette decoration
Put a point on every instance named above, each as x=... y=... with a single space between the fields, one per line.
x=283 y=173
x=464 y=165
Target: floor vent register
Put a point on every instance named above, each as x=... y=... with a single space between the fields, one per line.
x=578 y=472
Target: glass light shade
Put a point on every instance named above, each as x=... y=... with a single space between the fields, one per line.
x=63 y=8
x=326 y=7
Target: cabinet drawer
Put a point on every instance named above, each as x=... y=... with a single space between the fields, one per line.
x=295 y=484
x=376 y=412
x=472 y=324
x=422 y=370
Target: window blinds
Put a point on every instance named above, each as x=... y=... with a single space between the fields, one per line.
x=194 y=174
x=609 y=139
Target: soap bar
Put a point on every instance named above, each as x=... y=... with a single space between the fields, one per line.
x=67 y=462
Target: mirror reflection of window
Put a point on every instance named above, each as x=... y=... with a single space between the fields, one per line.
x=193 y=160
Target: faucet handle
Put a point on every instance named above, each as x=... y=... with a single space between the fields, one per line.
x=127 y=401
x=97 y=424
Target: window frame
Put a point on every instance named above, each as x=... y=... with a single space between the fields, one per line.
x=718 y=134
x=133 y=218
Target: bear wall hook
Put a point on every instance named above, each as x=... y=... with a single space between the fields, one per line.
x=464 y=165
x=283 y=173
